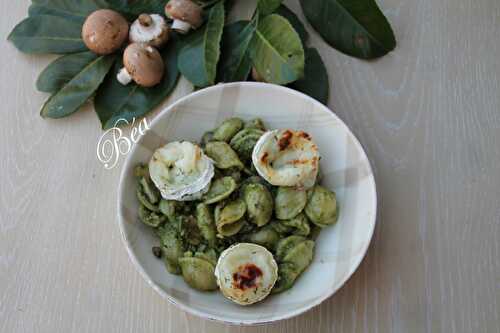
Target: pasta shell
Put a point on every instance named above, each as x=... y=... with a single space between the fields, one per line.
x=321 y=207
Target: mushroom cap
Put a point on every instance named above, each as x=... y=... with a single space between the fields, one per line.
x=149 y=28
x=104 y=31
x=184 y=10
x=144 y=64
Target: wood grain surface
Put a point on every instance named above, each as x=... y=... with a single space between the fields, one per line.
x=428 y=115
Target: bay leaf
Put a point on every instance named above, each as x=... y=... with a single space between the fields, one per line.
x=115 y=101
x=200 y=51
x=235 y=63
x=207 y=4
x=355 y=27
x=266 y=7
x=228 y=5
x=315 y=82
x=81 y=8
x=294 y=21
x=47 y=34
x=277 y=51
x=36 y=10
x=62 y=70
x=79 y=89
x=132 y=9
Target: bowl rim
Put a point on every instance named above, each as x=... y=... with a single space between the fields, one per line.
x=121 y=190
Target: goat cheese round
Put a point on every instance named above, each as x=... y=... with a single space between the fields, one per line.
x=287 y=158
x=246 y=273
x=181 y=171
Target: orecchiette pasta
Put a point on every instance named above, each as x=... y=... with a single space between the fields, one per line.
x=148 y=217
x=220 y=189
x=296 y=254
x=150 y=191
x=255 y=123
x=206 y=223
x=172 y=248
x=280 y=228
x=289 y=202
x=230 y=229
x=147 y=194
x=234 y=173
x=244 y=141
x=287 y=274
x=299 y=225
x=223 y=155
x=256 y=180
x=266 y=237
x=286 y=244
x=168 y=208
x=321 y=206
x=228 y=218
x=206 y=138
x=190 y=230
x=208 y=254
x=143 y=199
x=227 y=129
x=198 y=273
x=237 y=205
x=259 y=203
x=300 y=255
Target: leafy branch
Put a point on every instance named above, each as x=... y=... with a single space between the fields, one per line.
x=271 y=47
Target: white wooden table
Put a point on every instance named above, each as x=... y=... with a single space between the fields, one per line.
x=429 y=117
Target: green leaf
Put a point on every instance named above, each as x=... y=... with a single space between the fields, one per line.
x=228 y=5
x=354 y=27
x=266 y=7
x=295 y=22
x=36 y=10
x=115 y=101
x=47 y=34
x=78 y=90
x=62 y=70
x=132 y=9
x=315 y=82
x=81 y=8
x=200 y=52
x=276 y=51
x=207 y=4
x=235 y=62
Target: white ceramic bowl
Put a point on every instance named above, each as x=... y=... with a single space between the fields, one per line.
x=345 y=169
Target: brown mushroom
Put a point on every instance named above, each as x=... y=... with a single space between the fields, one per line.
x=185 y=13
x=150 y=29
x=143 y=64
x=104 y=31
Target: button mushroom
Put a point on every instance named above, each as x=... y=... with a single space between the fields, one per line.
x=104 y=31
x=150 y=29
x=143 y=64
x=185 y=13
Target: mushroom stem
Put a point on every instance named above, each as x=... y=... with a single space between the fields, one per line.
x=181 y=26
x=123 y=76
